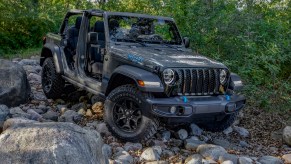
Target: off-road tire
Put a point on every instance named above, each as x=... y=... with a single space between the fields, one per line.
x=57 y=82
x=148 y=125
x=218 y=126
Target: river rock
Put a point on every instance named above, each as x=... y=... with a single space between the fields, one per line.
x=14 y=86
x=182 y=134
x=287 y=135
x=51 y=115
x=287 y=158
x=192 y=144
x=244 y=160
x=123 y=157
x=132 y=146
x=194 y=159
x=151 y=153
x=270 y=159
x=195 y=130
x=50 y=143
x=241 y=131
x=210 y=151
x=228 y=157
x=70 y=116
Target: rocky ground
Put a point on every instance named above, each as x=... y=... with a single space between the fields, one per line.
x=255 y=138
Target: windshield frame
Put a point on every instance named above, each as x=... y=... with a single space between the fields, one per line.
x=108 y=14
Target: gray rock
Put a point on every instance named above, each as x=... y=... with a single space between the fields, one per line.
x=208 y=161
x=123 y=157
x=191 y=144
x=222 y=142
x=70 y=116
x=243 y=144
x=79 y=106
x=194 y=159
x=241 y=131
x=228 y=157
x=132 y=146
x=32 y=77
x=244 y=160
x=107 y=150
x=54 y=142
x=34 y=115
x=167 y=153
x=151 y=153
x=228 y=130
x=175 y=150
x=51 y=115
x=157 y=162
x=14 y=86
x=195 y=130
x=175 y=142
x=287 y=135
x=166 y=135
x=227 y=162
x=210 y=151
x=4 y=112
x=29 y=62
x=40 y=110
x=39 y=96
x=270 y=159
x=155 y=142
x=32 y=69
x=18 y=112
x=182 y=134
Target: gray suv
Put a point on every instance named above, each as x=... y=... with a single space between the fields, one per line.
x=142 y=69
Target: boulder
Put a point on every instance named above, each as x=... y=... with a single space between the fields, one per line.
x=194 y=159
x=14 y=86
x=287 y=135
x=50 y=143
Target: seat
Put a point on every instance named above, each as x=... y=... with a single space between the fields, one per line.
x=73 y=34
x=96 y=50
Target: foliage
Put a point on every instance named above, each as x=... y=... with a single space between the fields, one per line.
x=251 y=37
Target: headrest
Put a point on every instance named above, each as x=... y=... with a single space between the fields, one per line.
x=93 y=38
x=78 y=22
x=99 y=26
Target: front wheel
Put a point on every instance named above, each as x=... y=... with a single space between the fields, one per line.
x=126 y=114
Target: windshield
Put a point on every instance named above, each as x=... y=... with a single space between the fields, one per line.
x=148 y=30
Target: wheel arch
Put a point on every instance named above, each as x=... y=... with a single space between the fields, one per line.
x=126 y=74
x=51 y=50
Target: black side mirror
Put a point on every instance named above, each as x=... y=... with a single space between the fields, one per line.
x=92 y=38
x=186 y=41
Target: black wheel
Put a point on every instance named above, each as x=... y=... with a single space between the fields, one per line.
x=126 y=117
x=52 y=82
x=221 y=125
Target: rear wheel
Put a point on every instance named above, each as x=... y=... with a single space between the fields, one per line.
x=126 y=114
x=218 y=126
x=52 y=82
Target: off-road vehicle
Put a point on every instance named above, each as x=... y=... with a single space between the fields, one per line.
x=143 y=69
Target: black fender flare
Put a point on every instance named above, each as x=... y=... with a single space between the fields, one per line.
x=235 y=82
x=152 y=81
x=52 y=50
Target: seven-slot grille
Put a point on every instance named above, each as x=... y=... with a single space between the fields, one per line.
x=198 y=81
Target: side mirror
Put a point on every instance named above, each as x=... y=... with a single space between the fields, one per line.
x=92 y=38
x=186 y=41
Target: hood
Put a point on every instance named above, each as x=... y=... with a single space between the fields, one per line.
x=164 y=56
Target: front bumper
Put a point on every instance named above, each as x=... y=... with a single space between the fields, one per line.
x=189 y=107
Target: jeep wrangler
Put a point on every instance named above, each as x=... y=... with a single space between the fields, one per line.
x=142 y=69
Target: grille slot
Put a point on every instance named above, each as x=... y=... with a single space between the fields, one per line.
x=198 y=81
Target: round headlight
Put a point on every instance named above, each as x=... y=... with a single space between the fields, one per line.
x=222 y=76
x=169 y=76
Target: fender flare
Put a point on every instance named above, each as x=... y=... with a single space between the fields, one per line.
x=235 y=82
x=140 y=74
x=52 y=50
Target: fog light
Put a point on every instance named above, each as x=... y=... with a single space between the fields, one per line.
x=173 y=109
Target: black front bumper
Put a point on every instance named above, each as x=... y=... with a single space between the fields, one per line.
x=191 y=108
